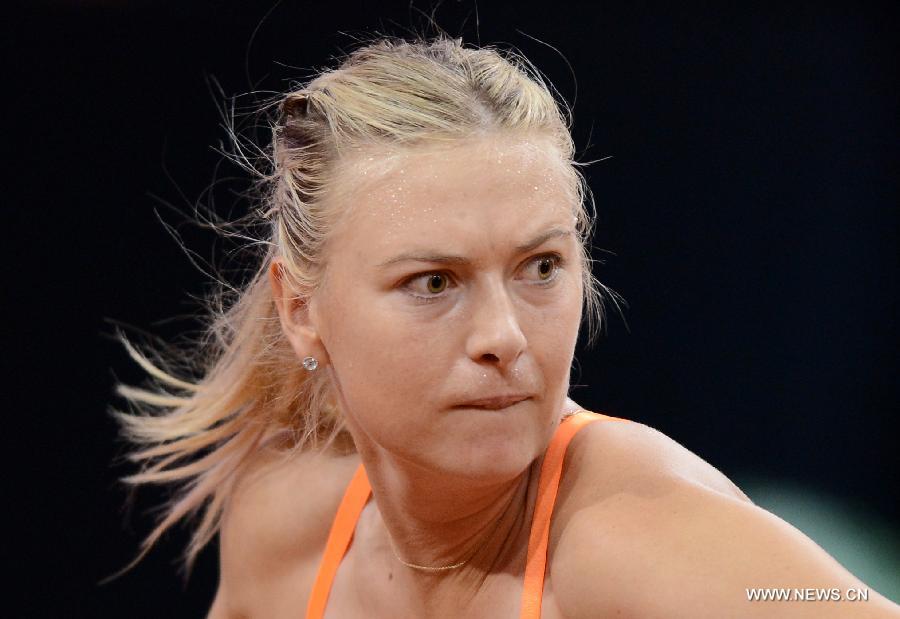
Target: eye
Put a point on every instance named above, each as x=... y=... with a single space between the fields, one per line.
x=436 y=283
x=548 y=266
x=433 y=284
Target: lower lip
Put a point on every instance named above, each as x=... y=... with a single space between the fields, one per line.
x=491 y=408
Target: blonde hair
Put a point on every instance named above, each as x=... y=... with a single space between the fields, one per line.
x=207 y=410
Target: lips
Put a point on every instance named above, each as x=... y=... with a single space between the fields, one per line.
x=494 y=403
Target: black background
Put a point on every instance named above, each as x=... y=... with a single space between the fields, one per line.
x=748 y=215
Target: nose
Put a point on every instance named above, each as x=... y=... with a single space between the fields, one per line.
x=495 y=335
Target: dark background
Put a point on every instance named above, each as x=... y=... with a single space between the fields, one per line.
x=748 y=215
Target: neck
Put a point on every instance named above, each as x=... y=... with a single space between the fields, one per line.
x=432 y=521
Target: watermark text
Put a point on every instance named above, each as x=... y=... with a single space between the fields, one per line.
x=808 y=594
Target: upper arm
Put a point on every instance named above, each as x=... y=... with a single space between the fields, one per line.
x=248 y=533
x=274 y=522
x=686 y=551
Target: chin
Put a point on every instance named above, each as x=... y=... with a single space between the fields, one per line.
x=490 y=451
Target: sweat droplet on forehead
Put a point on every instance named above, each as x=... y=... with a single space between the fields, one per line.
x=488 y=187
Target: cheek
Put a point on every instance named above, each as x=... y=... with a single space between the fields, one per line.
x=385 y=360
x=560 y=312
x=553 y=332
x=553 y=335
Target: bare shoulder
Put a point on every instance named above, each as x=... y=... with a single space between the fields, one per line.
x=645 y=527
x=607 y=456
x=275 y=523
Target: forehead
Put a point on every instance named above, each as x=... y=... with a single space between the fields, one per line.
x=490 y=184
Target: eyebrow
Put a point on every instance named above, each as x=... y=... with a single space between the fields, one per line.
x=462 y=260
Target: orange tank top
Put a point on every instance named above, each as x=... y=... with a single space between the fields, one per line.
x=357 y=494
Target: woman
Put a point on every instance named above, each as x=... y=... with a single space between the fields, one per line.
x=382 y=427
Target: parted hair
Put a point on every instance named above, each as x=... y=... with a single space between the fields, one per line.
x=202 y=414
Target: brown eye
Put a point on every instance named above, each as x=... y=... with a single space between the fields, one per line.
x=545 y=267
x=436 y=283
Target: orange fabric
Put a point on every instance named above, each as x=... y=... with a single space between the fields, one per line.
x=342 y=528
x=358 y=491
x=548 y=485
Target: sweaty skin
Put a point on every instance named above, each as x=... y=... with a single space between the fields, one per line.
x=642 y=527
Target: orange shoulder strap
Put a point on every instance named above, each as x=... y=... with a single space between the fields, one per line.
x=339 y=537
x=548 y=485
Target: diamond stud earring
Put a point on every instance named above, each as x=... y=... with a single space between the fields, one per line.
x=310 y=363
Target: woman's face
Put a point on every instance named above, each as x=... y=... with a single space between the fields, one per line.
x=453 y=276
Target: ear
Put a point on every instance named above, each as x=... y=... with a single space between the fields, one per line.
x=294 y=315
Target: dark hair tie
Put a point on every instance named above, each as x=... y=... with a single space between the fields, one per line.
x=295 y=104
